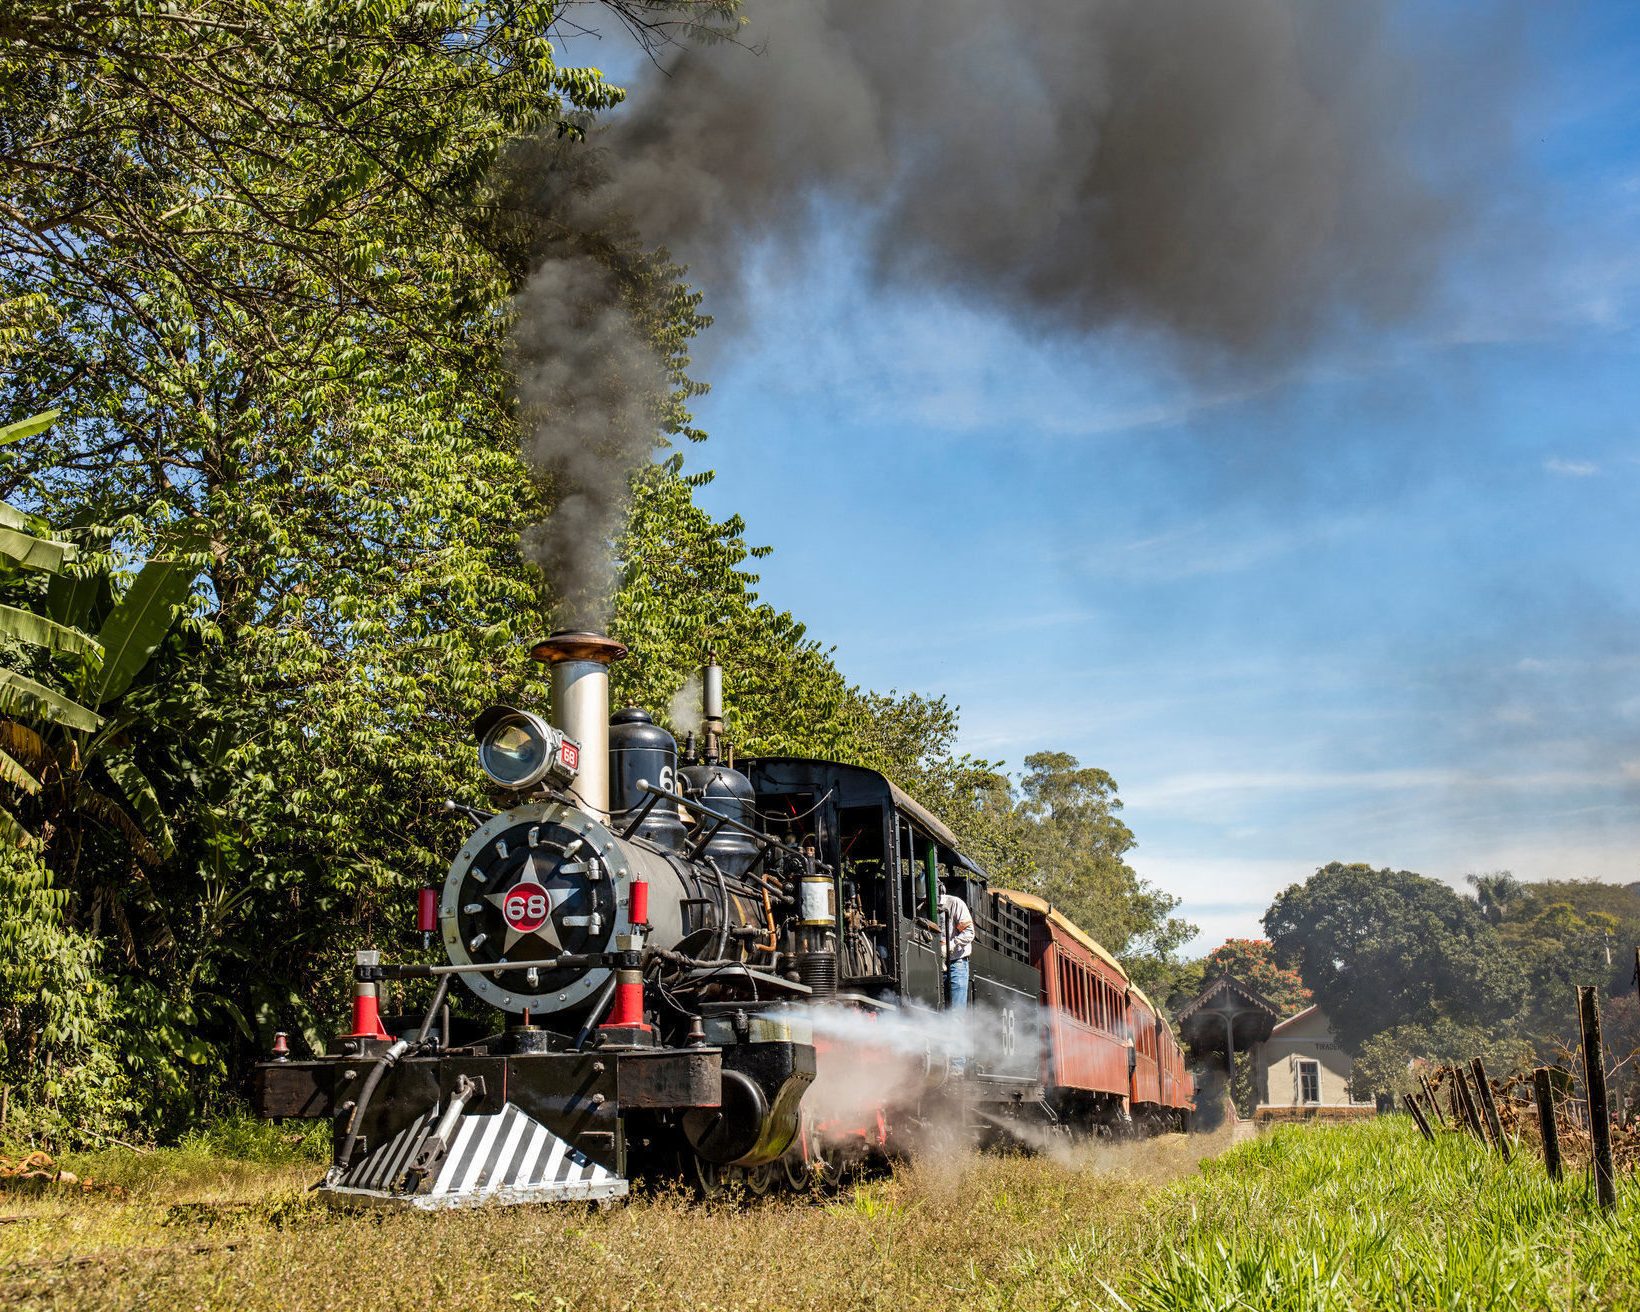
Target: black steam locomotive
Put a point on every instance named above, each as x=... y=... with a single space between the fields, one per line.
x=675 y=953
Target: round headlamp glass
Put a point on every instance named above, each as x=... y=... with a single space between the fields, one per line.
x=516 y=751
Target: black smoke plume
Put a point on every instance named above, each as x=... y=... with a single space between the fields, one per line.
x=1236 y=177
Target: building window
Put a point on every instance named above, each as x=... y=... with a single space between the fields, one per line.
x=1309 y=1081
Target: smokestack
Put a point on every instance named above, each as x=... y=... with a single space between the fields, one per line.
x=580 y=706
x=711 y=705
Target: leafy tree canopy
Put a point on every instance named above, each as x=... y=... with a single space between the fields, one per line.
x=1386 y=948
x=1393 y=1060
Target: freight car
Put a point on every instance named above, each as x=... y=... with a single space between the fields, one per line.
x=728 y=974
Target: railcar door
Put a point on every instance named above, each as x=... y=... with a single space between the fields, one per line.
x=922 y=973
x=1004 y=987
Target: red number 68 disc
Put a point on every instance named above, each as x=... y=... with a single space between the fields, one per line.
x=526 y=907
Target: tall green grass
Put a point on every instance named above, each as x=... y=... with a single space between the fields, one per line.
x=236 y=1147
x=1315 y=1218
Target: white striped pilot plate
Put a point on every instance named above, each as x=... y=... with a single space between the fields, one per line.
x=505 y=1158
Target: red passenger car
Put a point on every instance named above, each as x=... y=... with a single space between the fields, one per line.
x=1109 y=1056
x=1162 y=1088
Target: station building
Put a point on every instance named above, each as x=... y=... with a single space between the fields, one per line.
x=1300 y=1070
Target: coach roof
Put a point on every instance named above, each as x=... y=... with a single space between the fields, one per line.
x=1042 y=907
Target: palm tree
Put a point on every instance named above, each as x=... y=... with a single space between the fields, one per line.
x=1496 y=893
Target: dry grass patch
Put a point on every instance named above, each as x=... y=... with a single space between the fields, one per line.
x=1306 y=1219
x=947 y=1230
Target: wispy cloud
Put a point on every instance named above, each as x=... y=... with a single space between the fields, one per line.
x=1571 y=468
x=1213 y=546
x=1195 y=786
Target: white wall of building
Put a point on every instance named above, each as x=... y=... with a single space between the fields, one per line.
x=1301 y=1064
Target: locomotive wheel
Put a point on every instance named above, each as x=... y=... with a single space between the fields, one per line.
x=709 y=1180
x=794 y=1171
x=830 y=1167
x=760 y=1181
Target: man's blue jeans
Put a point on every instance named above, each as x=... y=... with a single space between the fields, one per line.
x=956 y=982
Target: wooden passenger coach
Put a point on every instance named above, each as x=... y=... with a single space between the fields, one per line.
x=1109 y=1055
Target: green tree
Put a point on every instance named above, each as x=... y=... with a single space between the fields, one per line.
x=256 y=252
x=1077 y=845
x=1387 y=948
x=1392 y=1061
x=1253 y=961
x=1558 y=948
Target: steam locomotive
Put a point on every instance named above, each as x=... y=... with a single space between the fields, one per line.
x=725 y=974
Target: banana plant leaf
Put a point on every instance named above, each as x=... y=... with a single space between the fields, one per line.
x=13 y=772
x=24 y=697
x=73 y=600
x=138 y=624
x=10 y=433
x=22 y=522
x=38 y=631
x=19 y=741
x=12 y=831
x=141 y=797
x=35 y=553
x=102 y=807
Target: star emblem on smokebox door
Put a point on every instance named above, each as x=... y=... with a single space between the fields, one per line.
x=544 y=930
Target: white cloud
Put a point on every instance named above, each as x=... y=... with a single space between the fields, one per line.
x=1571 y=468
x=1192 y=788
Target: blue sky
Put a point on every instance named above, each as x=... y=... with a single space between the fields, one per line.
x=1378 y=605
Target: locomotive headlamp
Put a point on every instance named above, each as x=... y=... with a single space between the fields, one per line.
x=519 y=750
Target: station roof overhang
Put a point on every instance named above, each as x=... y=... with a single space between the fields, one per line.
x=1227 y=1010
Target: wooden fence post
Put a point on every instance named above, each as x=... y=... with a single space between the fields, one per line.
x=1471 y=1112
x=1434 y=1105
x=1411 y=1100
x=1489 y=1105
x=1594 y=1084
x=1460 y=1099
x=1544 y=1092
